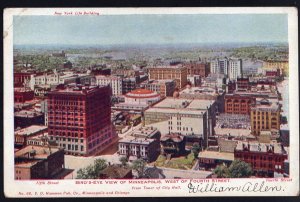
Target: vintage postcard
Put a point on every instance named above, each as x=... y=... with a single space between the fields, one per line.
x=136 y=102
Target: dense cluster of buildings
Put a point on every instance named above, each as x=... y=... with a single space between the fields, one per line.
x=159 y=110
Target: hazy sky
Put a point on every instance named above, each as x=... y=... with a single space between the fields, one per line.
x=160 y=29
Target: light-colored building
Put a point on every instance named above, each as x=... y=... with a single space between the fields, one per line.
x=138 y=147
x=195 y=80
x=205 y=93
x=22 y=135
x=115 y=82
x=234 y=68
x=184 y=116
x=214 y=66
x=265 y=115
x=283 y=65
x=178 y=73
x=138 y=100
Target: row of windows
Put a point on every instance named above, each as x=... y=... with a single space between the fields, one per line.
x=66 y=134
x=64 y=139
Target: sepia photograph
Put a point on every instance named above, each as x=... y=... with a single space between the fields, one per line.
x=110 y=102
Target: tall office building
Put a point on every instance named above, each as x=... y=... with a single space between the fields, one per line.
x=265 y=115
x=178 y=73
x=219 y=66
x=79 y=119
x=234 y=69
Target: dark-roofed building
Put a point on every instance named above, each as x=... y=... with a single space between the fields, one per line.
x=116 y=172
x=173 y=144
x=25 y=118
x=40 y=162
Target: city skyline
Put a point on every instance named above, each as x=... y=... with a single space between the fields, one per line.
x=150 y=29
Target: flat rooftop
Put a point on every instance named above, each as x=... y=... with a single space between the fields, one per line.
x=200 y=104
x=200 y=90
x=266 y=104
x=233 y=132
x=181 y=103
x=41 y=152
x=27 y=113
x=216 y=155
x=22 y=90
x=168 y=67
x=144 y=132
x=135 y=140
x=261 y=147
x=76 y=89
x=30 y=130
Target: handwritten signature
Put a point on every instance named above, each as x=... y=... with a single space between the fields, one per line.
x=247 y=187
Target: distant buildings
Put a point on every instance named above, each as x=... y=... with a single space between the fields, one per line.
x=178 y=73
x=129 y=84
x=198 y=68
x=62 y=54
x=238 y=104
x=234 y=68
x=194 y=80
x=79 y=119
x=114 y=82
x=165 y=87
x=67 y=65
x=243 y=84
x=283 y=65
x=22 y=77
x=265 y=159
x=265 y=115
x=228 y=66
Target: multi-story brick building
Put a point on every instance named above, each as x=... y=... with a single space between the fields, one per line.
x=114 y=82
x=129 y=84
x=178 y=73
x=39 y=162
x=265 y=115
x=198 y=68
x=273 y=73
x=265 y=159
x=22 y=77
x=231 y=86
x=22 y=135
x=243 y=84
x=25 y=118
x=79 y=119
x=238 y=104
x=163 y=87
